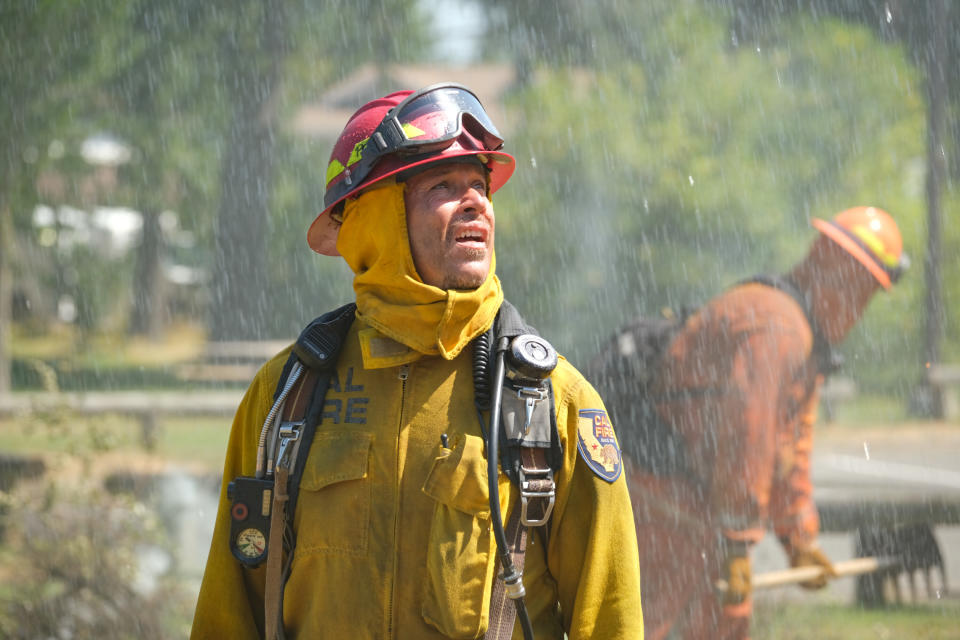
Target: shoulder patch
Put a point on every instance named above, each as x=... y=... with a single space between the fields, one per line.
x=597 y=444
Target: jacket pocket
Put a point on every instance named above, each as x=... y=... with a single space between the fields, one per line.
x=333 y=507
x=460 y=561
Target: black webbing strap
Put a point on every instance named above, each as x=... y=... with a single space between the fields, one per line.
x=510 y=324
x=322 y=337
x=828 y=359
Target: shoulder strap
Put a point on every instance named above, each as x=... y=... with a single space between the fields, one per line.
x=510 y=324
x=529 y=458
x=828 y=358
x=317 y=349
x=280 y=512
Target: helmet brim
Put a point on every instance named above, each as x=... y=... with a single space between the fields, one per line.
x=323 y=231
x=854 y=249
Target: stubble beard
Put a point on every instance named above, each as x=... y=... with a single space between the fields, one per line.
x=468 y=281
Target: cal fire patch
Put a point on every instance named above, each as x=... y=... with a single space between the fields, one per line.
x=597 y=444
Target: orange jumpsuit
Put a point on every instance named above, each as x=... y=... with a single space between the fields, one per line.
x=740 y=384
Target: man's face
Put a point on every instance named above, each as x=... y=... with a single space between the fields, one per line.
x=450 y=223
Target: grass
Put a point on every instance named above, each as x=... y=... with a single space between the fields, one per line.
x=868 y=410
x=180 y=343
x=936 y=620
x=189 y=442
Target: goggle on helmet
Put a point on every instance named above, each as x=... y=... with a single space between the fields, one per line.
x=401 y=131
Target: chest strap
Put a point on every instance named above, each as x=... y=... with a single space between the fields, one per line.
x=529 y=451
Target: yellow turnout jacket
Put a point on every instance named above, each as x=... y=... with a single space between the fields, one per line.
x=393 y=529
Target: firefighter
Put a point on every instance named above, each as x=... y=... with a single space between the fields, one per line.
x=393 y=534
x=736 y=395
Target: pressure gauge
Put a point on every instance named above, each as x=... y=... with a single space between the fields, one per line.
x=252 y=543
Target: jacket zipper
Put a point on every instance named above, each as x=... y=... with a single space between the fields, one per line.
x=403 y=374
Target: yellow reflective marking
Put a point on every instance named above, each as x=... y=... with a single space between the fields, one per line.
x=874 y=243
x=334 y=169
x=357 y=151
x=412 y=132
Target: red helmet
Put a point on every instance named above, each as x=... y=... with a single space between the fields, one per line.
x=871 y=236
x=402 y=130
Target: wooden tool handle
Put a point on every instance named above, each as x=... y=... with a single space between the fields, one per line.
x=854 y=567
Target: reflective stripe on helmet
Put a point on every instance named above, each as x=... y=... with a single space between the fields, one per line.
x=335 y=168
x=875 y=244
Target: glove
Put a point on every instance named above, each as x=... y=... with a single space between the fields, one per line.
x=737 y=573
x=812 y=556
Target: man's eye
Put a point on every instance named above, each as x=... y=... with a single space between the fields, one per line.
x=440 y=185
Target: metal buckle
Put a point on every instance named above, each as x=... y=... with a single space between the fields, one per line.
x=531 y=396
x=288 y=433
x=526 y=494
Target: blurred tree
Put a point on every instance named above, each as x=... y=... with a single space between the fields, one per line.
x=263 y=48
x=166 y=110
x=197 y=89
x=639 y=196
x=6 y=248
x=44 y=50
x=329 y=43
x=240 y=276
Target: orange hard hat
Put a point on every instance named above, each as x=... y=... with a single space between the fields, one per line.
x=872 y=237
x=403 y=130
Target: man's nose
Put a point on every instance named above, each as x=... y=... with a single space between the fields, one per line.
x=473 y=198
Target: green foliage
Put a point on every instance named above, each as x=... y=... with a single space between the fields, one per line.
x=74 y=555
x=308 y=284
x=804 y=621
x=662 y=191
x=665 y=150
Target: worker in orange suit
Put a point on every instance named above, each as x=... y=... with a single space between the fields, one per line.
x=725 y=450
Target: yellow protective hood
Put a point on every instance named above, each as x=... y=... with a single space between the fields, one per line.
x=392 y=298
